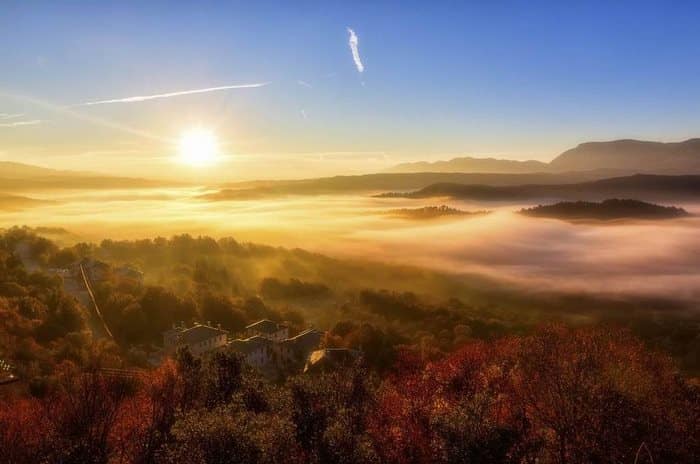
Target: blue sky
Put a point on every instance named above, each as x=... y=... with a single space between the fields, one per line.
x=510 y=79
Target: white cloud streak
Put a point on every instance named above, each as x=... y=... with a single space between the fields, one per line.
x=67 y=111
x=6 y=116
x=32 y=122
x=353 y=41
x=141 y=98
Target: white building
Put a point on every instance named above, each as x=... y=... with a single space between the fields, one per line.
x=268 y=329
x=199 y=339
x=296 y=349
x=256 y=350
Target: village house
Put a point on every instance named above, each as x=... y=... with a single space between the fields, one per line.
x=296 y=349
x=268 y=349
x=199 y=338
x=265 y=346
x=267 y=329
x=256 y=350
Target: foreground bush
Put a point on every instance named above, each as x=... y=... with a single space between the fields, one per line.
x=557 y=396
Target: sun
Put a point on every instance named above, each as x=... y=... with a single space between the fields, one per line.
x=198 y=147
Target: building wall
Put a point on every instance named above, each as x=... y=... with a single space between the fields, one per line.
x=277 y=336
x=280 y=335
x=259 y=357
x=199 y=348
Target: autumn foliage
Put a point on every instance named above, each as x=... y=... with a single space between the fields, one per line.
x=557 y=396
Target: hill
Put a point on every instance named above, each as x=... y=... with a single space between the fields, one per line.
x=606 y=210
x=470 y=164
x=16 y=202
x=623 y=156
x=25 y=177
x=644 y=186
x=433 y=212
x=385 y=181
x=633 y=155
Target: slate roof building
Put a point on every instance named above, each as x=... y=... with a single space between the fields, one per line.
x=199 y=338
x=256 y=350
x=268 y=329
x=298 y=348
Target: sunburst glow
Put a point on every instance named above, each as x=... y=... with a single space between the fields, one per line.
x=198 y=147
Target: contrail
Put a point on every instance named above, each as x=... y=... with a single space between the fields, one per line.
x=353 y=42
x=140 y=98
x=32 y=122
x=83 y=117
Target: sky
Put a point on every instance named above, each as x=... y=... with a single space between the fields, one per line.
x=320 y=88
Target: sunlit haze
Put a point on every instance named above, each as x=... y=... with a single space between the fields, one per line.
x=338 y=89
x=371 y=232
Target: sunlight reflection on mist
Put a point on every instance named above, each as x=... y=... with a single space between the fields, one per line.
x=643 y=257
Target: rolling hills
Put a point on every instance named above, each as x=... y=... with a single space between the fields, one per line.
x=386 y=181
x=640 y=186
x=606 y=210
x=19 y=177
x=624 y=156
x=632 y=155
x=471 y=164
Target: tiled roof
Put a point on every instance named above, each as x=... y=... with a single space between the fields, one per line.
x=265 y=326
x=248 y=345
x=200 y=333
x=306 y=340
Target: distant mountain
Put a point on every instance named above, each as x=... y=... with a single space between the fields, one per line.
x=16 y=202
x=632 y=155
x=623 y=156
x=605 y=211
x=381 y=182
x=641 y=186
x=25 y=177
x=469 y=164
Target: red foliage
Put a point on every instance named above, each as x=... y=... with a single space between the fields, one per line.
x=569 y=395
x=559 y=395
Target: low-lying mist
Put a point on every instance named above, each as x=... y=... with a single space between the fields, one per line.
x=654 y=258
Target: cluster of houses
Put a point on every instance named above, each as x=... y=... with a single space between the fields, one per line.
x=265 y=345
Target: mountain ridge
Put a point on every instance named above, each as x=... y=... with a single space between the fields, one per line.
x=16 y=176
x=628 y=155
x=639 y=186
x=472 y=164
